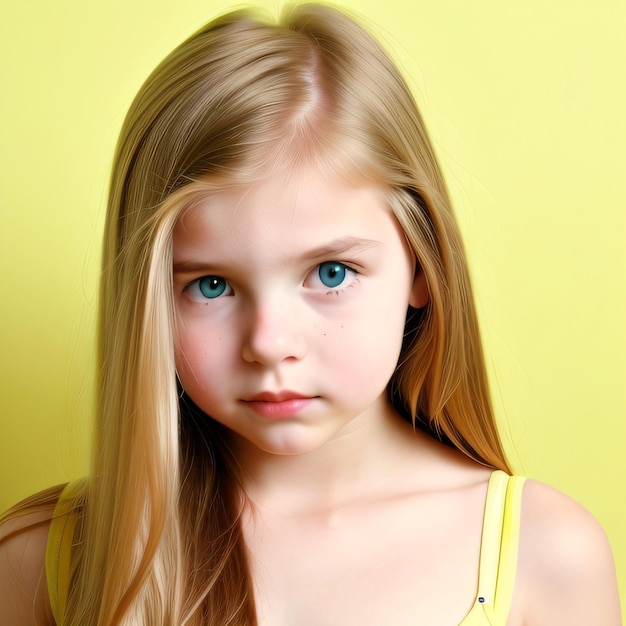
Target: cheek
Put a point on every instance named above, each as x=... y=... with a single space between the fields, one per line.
x=363 y=353
x=187 y=362
x=200 y=361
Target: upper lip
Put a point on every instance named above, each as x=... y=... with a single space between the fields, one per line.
x=275 y=396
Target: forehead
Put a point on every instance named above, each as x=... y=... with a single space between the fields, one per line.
x=286 y=209
x=282 y=227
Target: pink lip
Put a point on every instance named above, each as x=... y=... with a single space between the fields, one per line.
x=278 y=396
x=279 y=405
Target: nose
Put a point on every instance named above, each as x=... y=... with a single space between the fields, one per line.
x=274 y=333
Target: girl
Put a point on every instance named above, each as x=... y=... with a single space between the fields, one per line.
x=294 y=424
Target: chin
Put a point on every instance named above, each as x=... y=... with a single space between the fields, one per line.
x=288 y=444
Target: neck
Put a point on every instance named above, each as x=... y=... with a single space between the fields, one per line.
x=359 y=463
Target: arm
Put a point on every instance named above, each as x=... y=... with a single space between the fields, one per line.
x=566 y=573
x=23 y=592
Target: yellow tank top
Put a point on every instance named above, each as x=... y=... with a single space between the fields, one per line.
x=498 y=551
x=59 y=547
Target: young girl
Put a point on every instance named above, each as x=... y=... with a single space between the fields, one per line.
x=294 y=425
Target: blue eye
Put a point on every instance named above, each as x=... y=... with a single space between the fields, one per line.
x=213 y=286
x=332 y=273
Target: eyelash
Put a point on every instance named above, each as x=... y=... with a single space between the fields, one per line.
x=223 y=288
x=197 y=284
x=344 y=270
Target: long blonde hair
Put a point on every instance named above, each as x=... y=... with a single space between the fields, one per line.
x=160 y=542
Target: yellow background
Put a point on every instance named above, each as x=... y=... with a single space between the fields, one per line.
x=525 y=102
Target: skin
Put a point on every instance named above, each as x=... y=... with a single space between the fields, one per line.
x=24 y=599
x=351 y=517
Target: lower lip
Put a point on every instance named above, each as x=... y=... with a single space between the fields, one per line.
x=280 y=410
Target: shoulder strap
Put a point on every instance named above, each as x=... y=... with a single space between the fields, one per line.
x=500 y=539
x=509 y=545
x=59 y=547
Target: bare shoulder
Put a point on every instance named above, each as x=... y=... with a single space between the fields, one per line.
x=566 y=573
x=23 y=539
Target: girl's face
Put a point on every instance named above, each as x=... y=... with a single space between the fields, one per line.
x=291 y=297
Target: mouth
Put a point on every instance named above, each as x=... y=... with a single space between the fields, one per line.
x=280 y=396
x=278 y=405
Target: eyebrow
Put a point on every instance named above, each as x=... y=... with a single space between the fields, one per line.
x=340 y=246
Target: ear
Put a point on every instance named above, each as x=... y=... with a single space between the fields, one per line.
x=419 y=295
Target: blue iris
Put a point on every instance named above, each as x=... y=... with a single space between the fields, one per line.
x=212 y=286
x=332 y=273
